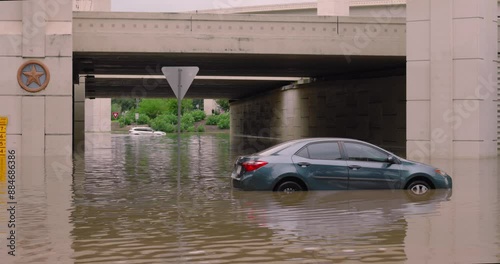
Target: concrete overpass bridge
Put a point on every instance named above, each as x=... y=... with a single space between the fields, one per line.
x=124 y=52
x=229 y=45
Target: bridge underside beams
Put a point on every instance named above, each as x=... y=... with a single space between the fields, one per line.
x=159 y=88
x=106 y=67
x=373 y=110
x=226 y=64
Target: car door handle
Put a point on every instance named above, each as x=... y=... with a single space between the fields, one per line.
x=354 y=167
x=303 y=164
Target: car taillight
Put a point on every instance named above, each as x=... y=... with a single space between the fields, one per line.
x=253 y=164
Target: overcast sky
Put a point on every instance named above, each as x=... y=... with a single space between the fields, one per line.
x=189 y=5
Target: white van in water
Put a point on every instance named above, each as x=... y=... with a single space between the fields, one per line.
x=147 y=131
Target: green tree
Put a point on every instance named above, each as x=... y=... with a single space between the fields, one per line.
x=186 y=106
x=156 y=107
x=223 y=103
x=124 y=103
x=153 y=107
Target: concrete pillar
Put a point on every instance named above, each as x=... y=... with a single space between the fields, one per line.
x=209 y=105
x=79 y=115
x=451 y=79
x=39 y=33
x=98 y=115
x=97 y=112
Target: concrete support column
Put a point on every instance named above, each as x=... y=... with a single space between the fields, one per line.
x=40 y=118
x=39 y=33
x=79 y=115
x=451 y=79
x=209 y=106
x=98 y=115
x=93 y=115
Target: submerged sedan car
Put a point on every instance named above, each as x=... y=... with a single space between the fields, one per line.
x=147 y=131
x=333 y=164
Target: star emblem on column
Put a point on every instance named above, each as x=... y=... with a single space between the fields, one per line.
x=33 y=76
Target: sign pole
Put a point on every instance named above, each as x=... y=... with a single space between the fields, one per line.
x=179 y=103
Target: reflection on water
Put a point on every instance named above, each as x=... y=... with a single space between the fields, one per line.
x=125 y=202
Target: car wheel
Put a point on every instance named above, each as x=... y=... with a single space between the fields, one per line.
x=289 y=187
x=419 y=188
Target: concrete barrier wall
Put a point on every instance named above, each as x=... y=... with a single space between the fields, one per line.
x=373 y=110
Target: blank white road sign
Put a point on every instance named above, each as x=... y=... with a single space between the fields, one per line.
x=180 y=79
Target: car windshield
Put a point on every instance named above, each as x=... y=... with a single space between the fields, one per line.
x=143 y=129
x=275 y=149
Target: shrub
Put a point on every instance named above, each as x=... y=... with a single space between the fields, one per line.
x=212 y=120
x=168 y=123
x=156 y=124
x=198 y=115
x=223 y=122
x=130 y=115
x=169 y=128
x=167 y=118
x=160 y=125
x=187 y=119
x=143 y=120
x=124 y=121
x=200 y=128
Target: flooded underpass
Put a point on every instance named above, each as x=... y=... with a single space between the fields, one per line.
x=126 y=200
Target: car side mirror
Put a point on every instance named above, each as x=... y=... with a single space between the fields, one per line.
x=391 y=159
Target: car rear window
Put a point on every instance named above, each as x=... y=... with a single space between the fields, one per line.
x=321 y=151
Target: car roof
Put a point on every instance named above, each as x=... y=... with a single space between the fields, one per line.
x=315 y=139
x=291 y=145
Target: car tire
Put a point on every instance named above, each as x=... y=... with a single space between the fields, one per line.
x=418 y=189
x=289 y=187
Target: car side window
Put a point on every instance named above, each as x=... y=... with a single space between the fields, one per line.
x=321 y=151
x=304 y=153
x=361 y=152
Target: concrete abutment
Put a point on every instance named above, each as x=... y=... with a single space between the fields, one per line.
x=372 y=109
x=40 y=117
x=452 y=79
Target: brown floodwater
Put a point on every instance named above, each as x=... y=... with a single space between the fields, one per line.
x=126 y=200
